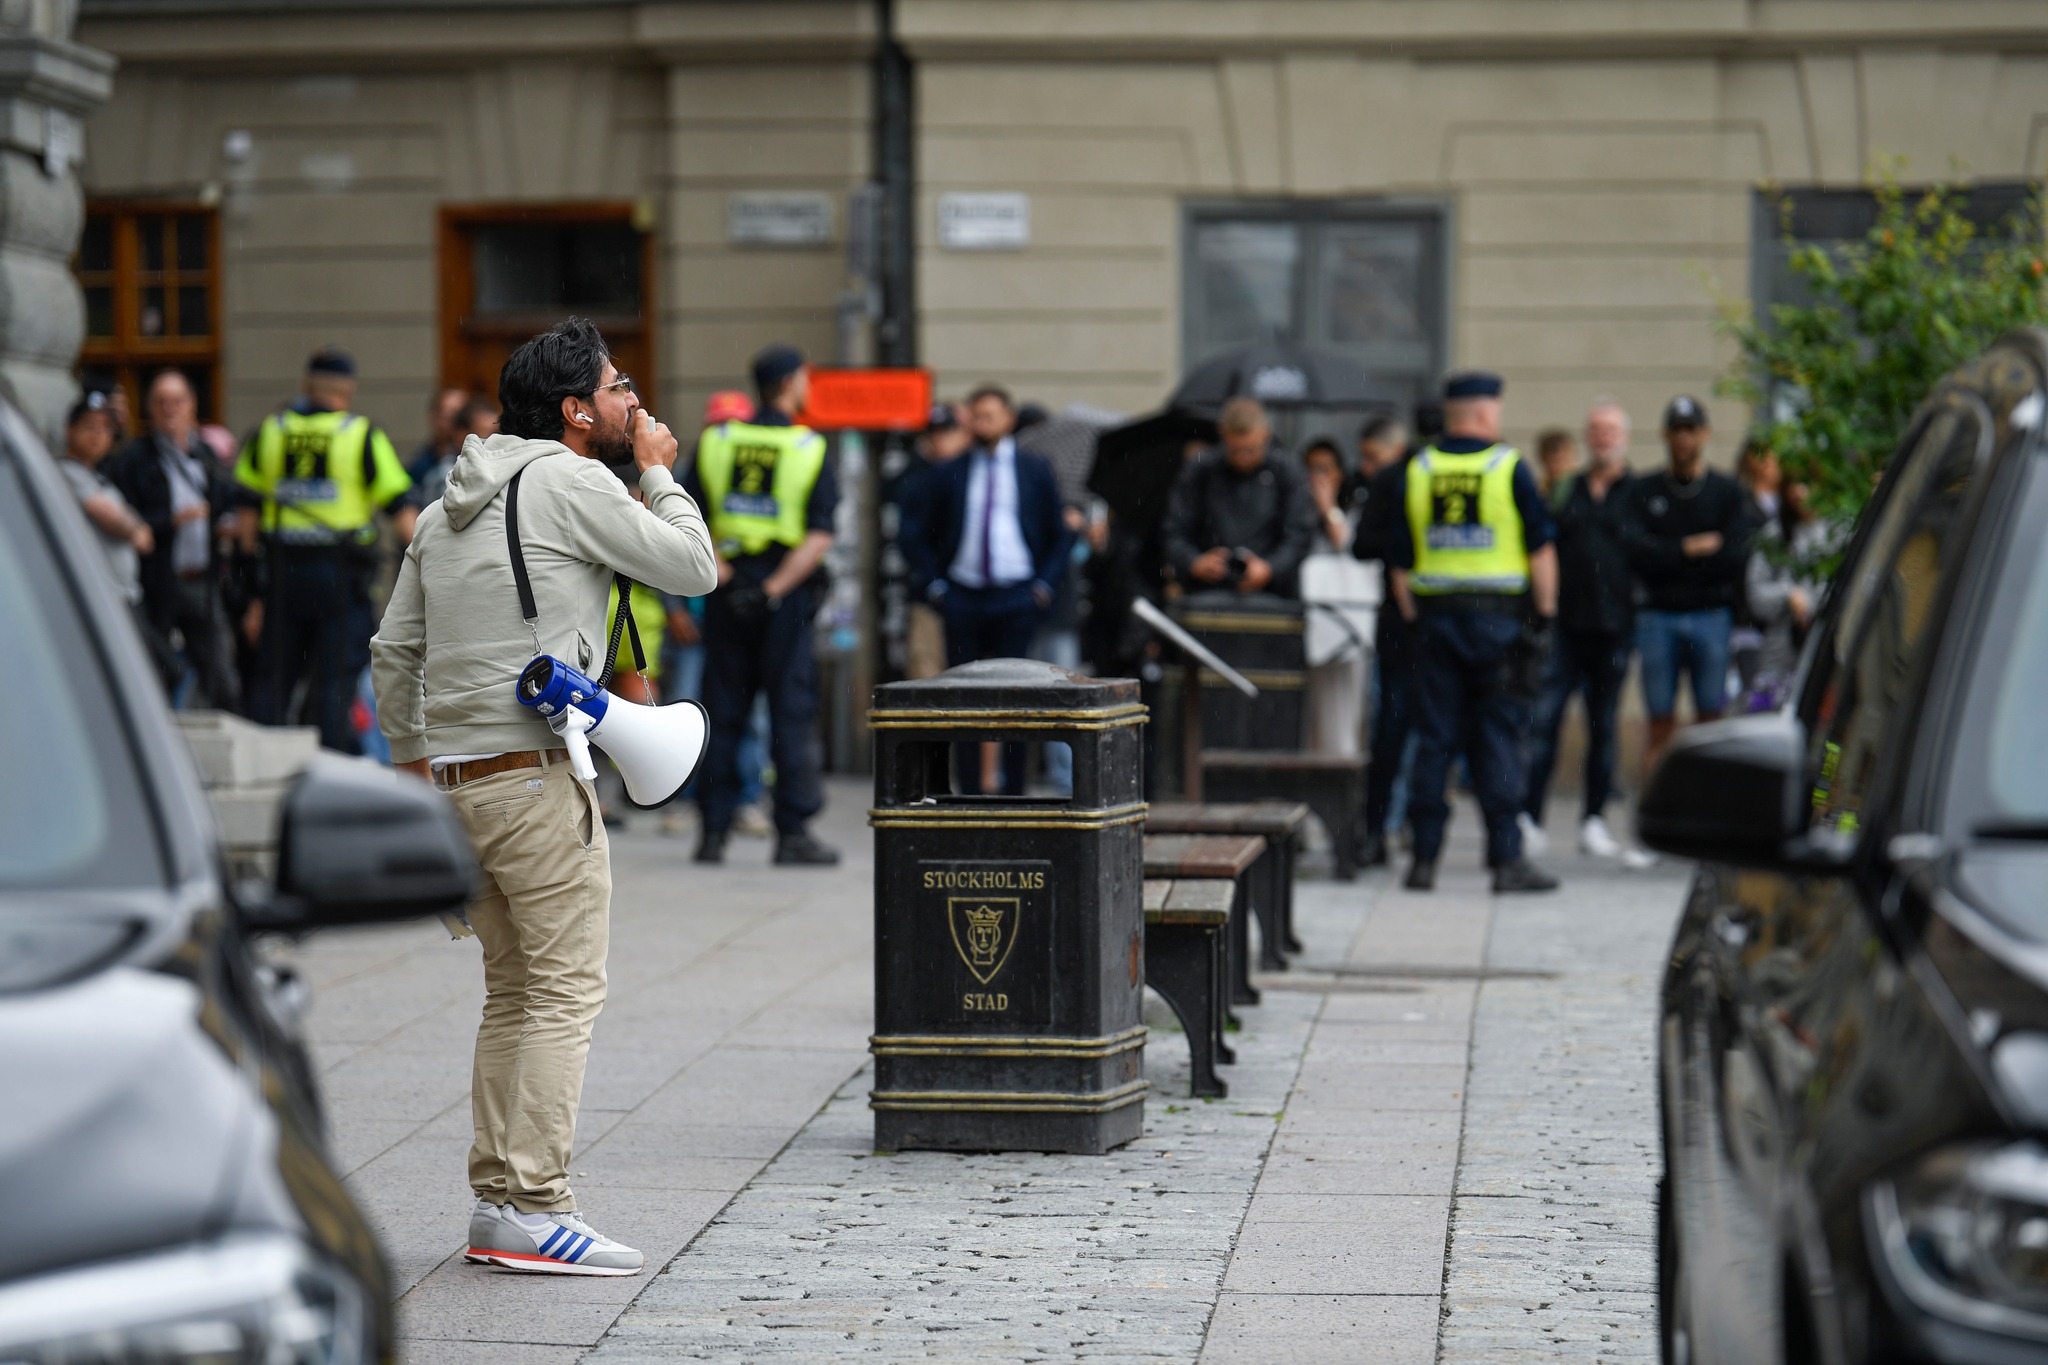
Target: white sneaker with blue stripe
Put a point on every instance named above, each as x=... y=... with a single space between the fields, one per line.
x=547 y=1244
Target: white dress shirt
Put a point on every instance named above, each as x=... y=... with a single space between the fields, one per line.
x=1009 y=560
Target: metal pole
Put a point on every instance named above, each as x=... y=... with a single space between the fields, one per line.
x=896 y=332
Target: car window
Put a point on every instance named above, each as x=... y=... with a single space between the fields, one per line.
x=72 y=809
x=1884 y=624
x=1998 y=781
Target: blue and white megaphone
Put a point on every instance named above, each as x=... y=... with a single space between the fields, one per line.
x=656 y=748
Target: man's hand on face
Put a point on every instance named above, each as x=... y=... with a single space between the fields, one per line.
x=1211 y=565
x=1701 y=545
x=653 y=443
x=1257 y=574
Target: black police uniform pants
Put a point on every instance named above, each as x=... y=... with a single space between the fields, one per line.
x=1462 y=699
x=316 y=628
x=1393 y=715
x=772 y=654
x=989 y=623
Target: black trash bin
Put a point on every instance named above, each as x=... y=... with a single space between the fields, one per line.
x=1009 y=931
x=1262 y=637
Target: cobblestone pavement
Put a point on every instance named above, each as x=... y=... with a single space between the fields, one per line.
x=1439 y=1126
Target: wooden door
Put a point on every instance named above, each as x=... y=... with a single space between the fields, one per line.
x=509 y=272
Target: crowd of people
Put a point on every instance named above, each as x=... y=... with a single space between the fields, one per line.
x=1681 y=572
x=255 y=571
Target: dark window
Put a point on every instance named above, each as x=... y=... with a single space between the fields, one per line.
x=151 y=279
x=509 y=271
x=530 y=268
x=1785 y=220
x=1363 y=280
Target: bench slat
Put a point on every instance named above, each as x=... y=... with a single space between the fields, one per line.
x=1201 y=855
x=1274 y=819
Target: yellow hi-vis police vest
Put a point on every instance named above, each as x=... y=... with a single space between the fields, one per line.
x=1467 y=529
x=323 y=475
x=757 y=481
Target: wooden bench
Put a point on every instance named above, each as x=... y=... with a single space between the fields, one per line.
x=1280 y=823
x=1333 y=786
x=1186 y=936
x=1222 y=857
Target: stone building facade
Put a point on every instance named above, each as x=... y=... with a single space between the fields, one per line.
x=1566 y=191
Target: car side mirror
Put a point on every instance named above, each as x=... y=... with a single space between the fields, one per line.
x=358 y=843
x=1734 y=791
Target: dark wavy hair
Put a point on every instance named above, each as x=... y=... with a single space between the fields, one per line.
x=566 y=361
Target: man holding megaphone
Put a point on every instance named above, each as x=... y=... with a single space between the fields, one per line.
x=507 y=577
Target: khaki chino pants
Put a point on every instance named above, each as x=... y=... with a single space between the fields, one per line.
x=543 y=916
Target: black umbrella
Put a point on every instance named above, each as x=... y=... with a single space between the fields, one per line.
x=1136 y=464
x=1067 y=440
x=1282 y=375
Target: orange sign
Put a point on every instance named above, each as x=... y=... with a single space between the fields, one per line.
x=868 y=400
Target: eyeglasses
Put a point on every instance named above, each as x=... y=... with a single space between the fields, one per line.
x=623 y=384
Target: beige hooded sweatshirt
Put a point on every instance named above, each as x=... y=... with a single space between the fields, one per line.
x=452 y=642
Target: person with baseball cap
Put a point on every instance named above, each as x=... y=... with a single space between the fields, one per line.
x=1686 y=534
x=1474 y=569
x=769 y=492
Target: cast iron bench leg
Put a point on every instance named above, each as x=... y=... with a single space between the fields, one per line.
x=1222 y=1020
x=1284 y=879
x=1242 y=991
x=1268 y=903
x=1180 y=963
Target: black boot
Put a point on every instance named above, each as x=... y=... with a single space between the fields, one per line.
x=1421 y=876
x=801 y=850
x=1372 y=851
x=711 y=846
x=1522 y=875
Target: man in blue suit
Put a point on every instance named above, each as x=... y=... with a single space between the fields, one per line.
x=986 y=544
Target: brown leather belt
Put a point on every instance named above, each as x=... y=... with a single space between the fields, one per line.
x=456 y=774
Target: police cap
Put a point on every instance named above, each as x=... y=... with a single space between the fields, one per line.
x=775 y=364
x=332 y=360
x=1684 y=411
x=1473 y=384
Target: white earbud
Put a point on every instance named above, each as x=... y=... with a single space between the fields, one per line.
x=581 y=418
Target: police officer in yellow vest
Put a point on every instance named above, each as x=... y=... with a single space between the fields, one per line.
x=769 y=493
x=324 y=473
x=1475 y=571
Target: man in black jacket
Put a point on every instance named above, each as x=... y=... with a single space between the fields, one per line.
x=1375 y=500
x=1239 y=517
x=1595 y=620
x=1687 y=538
x=177 y=485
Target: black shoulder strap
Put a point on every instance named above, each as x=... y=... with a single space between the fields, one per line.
x=525 y=585
x=621 y=622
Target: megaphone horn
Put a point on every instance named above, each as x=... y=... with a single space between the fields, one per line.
x=655 y=748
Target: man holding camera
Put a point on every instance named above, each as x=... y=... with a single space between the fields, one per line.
x=445 y=663
x=1474 y=568
x=1240 y=518
x=770 y=494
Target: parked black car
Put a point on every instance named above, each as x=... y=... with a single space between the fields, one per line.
x=169 y=1196
x=1854 y=1026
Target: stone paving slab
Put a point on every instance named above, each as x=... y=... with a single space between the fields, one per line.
x=839 y=1250
x=1553 y=1230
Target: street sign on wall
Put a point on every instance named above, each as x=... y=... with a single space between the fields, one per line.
x=868 y=400
x=985 y=222
x=779 y=218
